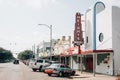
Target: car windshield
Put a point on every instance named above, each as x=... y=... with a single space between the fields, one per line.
x=64 y=66
x=54 y=65
x=53 y=62
x=32 y=60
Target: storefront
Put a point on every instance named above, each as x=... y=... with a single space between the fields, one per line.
x=99 y=60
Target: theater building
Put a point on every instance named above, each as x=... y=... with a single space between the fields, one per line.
x=102 y=38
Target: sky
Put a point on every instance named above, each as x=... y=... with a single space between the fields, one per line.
x=19 y=19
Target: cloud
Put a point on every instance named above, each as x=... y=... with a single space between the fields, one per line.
x=40 y=3
x=1 y=1
x=29 y=3
x=35 y=33
x=35 y=3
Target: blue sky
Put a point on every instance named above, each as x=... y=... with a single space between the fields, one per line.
x=19 y=20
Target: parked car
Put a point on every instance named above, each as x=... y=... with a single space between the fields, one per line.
x=60 y=70
x=31 y=62
x=16 y=62
x=50 y=63
x=38 y=64
x=54 y=62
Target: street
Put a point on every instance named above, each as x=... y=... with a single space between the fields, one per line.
x=10 y=71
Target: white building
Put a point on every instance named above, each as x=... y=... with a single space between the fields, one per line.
x=60 y=47
x=104 y=38
x=44 y=49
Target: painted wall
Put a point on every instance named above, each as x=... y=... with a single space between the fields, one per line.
x=116 y=37
x=105 y=68
x=89 y=30
x=104 y=26
x=43 y=51
x=103 y=23
x=61 y=45
x=75 y=62
x=107 y=23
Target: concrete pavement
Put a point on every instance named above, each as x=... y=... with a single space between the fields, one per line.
x=89 y=76
x=85 y=76
x=22 y=72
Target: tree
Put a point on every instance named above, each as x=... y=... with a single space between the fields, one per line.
x=27 y=54
x=5 y=55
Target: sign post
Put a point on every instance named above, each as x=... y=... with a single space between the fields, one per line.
x=78 y=36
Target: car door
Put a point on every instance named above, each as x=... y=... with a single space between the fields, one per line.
x=47 y=62
x=39 y=63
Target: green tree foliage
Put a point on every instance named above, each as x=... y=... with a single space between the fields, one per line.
x=27 y=54
x=5 y=55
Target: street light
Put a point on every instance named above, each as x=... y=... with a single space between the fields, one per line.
x=50 y=27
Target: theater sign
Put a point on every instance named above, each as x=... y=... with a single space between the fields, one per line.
x=78 y=35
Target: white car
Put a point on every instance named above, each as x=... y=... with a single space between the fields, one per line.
x=38 y=64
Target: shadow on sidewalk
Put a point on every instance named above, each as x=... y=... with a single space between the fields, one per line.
x=81 y=77
x=78 y=76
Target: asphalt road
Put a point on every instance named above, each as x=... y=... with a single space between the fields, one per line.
x=10 y=71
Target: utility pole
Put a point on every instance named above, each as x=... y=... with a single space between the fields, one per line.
x=50 y=27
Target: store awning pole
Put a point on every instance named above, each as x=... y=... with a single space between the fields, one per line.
x=94 y=61
x=81 y=66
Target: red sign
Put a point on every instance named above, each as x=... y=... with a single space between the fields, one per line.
x=78 y=36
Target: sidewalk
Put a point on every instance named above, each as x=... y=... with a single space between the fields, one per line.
x=89 y=76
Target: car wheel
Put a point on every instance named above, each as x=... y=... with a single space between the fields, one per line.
x=73 y=73
x=34 y=69
x=60 y=74
x=40 y=69
x=43 y=70
x=49 y=74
